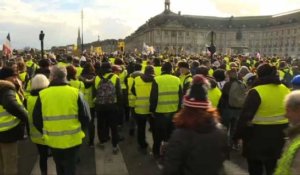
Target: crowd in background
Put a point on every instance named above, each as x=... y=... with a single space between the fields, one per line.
x=199 y=109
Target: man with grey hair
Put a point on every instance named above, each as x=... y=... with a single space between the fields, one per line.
x=61 y=115
x=290 y=160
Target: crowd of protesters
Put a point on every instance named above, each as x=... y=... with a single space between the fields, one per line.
x=199 y=109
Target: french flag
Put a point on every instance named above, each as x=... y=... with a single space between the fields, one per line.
x=7 y=50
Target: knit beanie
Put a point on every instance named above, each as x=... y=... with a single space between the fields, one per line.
x=196 y=97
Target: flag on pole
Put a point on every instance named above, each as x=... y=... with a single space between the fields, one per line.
x=7 y=50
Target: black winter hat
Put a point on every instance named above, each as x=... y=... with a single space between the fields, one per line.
x=6 y=72
x=106 y=67
x=266 y=69
x=183 y=65
x=166 y=67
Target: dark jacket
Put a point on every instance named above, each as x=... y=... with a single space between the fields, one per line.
x=83 y=110
x=88 y=80
x=259 y=141
x=154 y=96
x=191 y=152
x=9 y=102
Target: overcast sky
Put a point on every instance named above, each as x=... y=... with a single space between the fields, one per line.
x=60 y=19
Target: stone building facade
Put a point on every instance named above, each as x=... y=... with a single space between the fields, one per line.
x=175 y=33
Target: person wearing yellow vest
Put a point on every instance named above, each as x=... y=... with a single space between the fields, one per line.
x=108 y=113
x=60 y=115
x=185 y=76
x=262 y=122
x=23 y=76
x=88 y=78
x=131 y=97
x=38 y=83
x=141 y=89
x=76 y=64
x=73 y=81
x=213 y=93
x=285 y=74
x=31 y=66
x=13 y=118
x=289 y=162
x=157 y=66
x=122 y=75
x=165 y=101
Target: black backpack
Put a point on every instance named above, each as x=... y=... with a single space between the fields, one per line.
x=105 y=94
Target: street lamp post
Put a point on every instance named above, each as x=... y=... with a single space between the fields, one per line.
x=212 y=47
x=42 y=35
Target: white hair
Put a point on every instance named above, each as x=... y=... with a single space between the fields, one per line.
x=292 y=100
x=39 y=81
x=58 y=73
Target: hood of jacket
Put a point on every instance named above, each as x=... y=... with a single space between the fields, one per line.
x=147 y=78
x=4 y=85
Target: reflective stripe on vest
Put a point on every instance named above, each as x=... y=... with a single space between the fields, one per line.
x=285 y=163
x=2 y=114
x=143 y=90
x=271 y=109
x=62 y=117
x=168 y=99
x=62 y=133
x=35 y=135
x=8 y=121
x=62 y=128
x=131 y=97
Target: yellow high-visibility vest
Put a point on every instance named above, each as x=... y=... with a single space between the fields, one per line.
x=131 y=97
x=77 y=84
x=214 y=96
x=168 y=99
x=142 y=102
x=122 y=77
x=35 y=135
x=78 y=71
x=157 y=70
x=22 y=76
x=8 y=121
x=271 y=110
x=62 y=128
x=88 y=96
